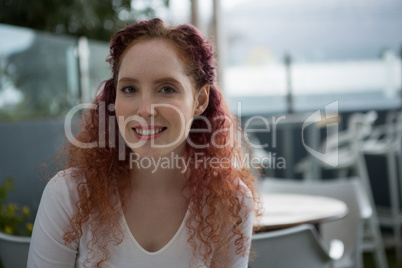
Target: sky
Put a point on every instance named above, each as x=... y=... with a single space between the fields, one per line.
x=313 y=29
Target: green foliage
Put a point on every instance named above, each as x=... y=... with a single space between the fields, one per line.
x=14 y=220
x=95 y=19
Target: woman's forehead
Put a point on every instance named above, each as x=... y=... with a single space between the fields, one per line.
x=156 y=53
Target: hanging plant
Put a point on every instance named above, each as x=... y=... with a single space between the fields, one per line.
x=14 y=220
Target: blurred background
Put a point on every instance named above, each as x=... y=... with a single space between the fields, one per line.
x=275 y=57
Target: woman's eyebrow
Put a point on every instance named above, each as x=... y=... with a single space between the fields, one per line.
x=167 y=80
x=128 y=80
x=157 y=81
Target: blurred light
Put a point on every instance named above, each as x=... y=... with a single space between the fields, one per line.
x=14 y=40
x=10 y=96
x=124 y=15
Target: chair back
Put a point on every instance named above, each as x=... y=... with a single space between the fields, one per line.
x=359 y=127
x=345 y=145
x=14 y=251
x=348 y=229
x=385 y=138
x=362 y=124
x=394 y=128
x=298 y=246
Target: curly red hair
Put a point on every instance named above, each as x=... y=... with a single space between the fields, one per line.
x=215 y=191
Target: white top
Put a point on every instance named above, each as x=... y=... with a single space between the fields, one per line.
x=58 y=204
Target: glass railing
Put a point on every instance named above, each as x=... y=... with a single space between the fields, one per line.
x=339 y=51
x=357 y=84
x=41 y=75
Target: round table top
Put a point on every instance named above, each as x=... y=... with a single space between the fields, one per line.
x=282 y=210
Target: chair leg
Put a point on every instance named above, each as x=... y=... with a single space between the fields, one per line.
x=307 y=174
x=394 y=201
x=342 y=173
x=374 y=227
x=399 y=156
x=379 y=252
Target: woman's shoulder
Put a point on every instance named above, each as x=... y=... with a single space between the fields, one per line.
x=244 y=191
x=59 y=201
x=64 y=183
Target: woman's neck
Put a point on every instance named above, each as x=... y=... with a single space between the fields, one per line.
x=164 y=173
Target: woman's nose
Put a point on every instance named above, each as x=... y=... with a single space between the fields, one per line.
x=146 y=108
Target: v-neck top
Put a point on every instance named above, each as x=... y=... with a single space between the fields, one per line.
x=130 y=237
x=58 y=205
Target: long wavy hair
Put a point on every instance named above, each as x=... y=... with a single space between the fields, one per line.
x=217 y=208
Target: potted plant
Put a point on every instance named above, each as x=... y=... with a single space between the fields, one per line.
x=15 y=230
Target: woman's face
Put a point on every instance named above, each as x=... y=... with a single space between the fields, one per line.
x=155 y=99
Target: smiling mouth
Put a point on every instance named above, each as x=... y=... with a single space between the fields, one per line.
x=149 y=132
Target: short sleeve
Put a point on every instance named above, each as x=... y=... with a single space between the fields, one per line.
x=57 y=205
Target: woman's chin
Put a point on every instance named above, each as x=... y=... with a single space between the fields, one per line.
x=152 y=153
x=163 y=151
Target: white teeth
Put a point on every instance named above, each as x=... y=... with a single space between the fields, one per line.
x=148 y=132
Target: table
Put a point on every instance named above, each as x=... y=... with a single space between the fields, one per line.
x=282 y=210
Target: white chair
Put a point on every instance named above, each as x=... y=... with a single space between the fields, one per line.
x=342 y=149
x=345 y=149
x=14 y=250
x=261 y=157
x=385 y=140
x=293 y=247
x=349 y=229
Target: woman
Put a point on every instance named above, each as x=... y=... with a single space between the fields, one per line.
x=162 y=188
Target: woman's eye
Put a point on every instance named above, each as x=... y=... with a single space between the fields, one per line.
x=168 y=90
x=128 y=90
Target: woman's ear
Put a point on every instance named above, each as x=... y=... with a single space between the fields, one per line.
x=201 y=100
